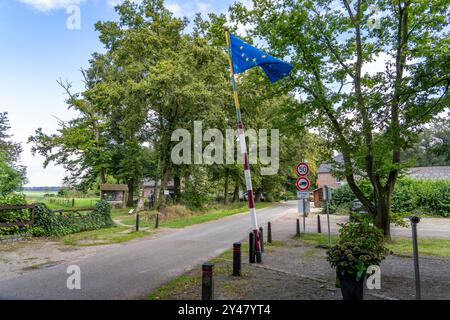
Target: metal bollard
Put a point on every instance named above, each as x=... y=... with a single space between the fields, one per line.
x=269 y=232
x=157 y=221
x=251 y=248
x=319 y=227
x=207 y=281
x=137 y=221
x=414 y=221
x=237 y=259
x=261 y=238
x=298 y=228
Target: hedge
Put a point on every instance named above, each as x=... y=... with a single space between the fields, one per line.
x=8 y=216
x=47 y=223
x=418 y=196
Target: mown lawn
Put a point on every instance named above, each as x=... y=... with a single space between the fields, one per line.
x=399 y=245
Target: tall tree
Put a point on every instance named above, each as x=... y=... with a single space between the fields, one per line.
x=368 y=117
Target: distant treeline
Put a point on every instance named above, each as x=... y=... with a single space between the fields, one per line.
x=50 y=189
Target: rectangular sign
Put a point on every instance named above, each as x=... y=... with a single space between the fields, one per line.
x=303 y=194
x=327 y=195
x=303 y=206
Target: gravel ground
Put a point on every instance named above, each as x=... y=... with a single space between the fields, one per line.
x=299 y=271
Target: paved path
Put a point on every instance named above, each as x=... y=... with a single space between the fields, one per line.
x=132 y=270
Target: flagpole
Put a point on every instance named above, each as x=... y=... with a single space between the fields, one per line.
x=241 y=134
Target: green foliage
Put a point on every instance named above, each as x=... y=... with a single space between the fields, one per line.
x=10 y=178
x=359 y=246
x=52 y=224
x=427 y=197
x=11 y=216
x=197 y=191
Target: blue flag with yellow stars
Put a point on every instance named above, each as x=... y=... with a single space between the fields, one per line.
x=245 y=56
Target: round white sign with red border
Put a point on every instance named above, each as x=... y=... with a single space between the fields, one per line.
x=302 y=169
x=303 y=184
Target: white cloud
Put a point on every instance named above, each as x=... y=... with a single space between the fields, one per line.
x=49 y=5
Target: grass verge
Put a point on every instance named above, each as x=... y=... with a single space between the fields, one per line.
x=399 y=245
x=104 y=236
x=192 y=278
x=214 y=214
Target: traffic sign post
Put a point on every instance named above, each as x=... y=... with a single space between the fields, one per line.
x=303 y=195
x=327 y=196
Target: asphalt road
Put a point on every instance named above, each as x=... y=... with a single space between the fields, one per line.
x=134 y=269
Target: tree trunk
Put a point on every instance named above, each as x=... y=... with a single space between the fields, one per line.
x=177 y=187
x=382 y=218
x=162 y=196
x=225 y=195
x=258 y=194
x=102 y=176
x=236 y=193
x=130 y=200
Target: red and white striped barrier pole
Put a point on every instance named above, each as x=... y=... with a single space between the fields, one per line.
x=243 y=144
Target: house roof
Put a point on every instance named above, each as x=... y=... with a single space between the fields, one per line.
x=113 y=187
x=326 y=166
x=429 y=172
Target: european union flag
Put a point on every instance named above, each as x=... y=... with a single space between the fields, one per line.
x=245 y=56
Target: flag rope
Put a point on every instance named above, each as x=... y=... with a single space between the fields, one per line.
x=242 y=142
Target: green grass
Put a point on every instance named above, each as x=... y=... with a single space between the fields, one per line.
x=427 y=246
x=399 y=245
x=177 y=283
x=208 y=216
x=59 y=202
x=103 y=236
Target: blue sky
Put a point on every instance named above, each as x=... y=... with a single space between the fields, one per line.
x=37 y=48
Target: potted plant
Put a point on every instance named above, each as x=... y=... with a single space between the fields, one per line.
x=359 y=246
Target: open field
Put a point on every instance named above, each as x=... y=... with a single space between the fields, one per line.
x=55 y=202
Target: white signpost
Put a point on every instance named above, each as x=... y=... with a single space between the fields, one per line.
x=303 y=195
x=327 y=195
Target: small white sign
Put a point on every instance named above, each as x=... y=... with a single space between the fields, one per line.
x=303 y=194
x=327 y=195
x=304 y=207
x=166 y=192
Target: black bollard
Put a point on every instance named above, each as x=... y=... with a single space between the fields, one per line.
x=269 y=232
x=319 y=227
x=251 y=248
x=414 y=221
x=207 y=281
x=157 y=221
x=237 y=259
x=298 y=228
x=261 y=238
x=137 y=221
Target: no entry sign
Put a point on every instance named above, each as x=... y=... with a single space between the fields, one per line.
x=302 y=169
x=303 y=184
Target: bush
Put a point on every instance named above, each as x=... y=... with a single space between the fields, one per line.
x=48 y=223
x=9 y=216
x=429 y=197
x=359 y=246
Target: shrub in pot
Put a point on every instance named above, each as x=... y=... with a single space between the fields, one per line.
x=359 y=246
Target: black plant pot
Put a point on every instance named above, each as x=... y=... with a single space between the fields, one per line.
x=351 y=288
